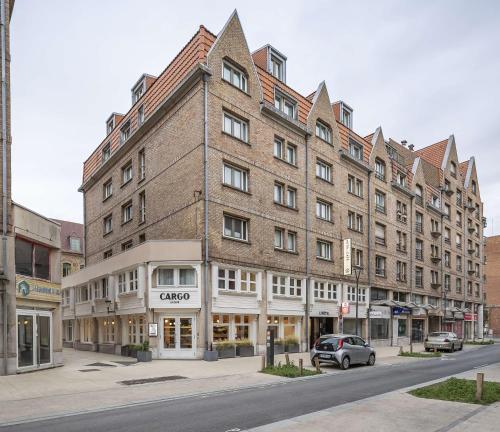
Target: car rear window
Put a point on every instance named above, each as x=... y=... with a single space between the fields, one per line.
x=438 y=334
x=332 y=341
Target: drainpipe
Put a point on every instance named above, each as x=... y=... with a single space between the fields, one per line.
x=205 y=186
x=369 y=261
x=412 y=263
x=308 y=261
x=4 y=176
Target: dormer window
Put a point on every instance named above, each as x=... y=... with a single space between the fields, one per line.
x=346 y=115
x=435 y=201
x=276 y=64
x=125 y=132
x=323 y=132
x=285 y=104
x=234 y=76
x=110 y=125
x=474 y=187
x=138 y=91
x=277 y=67
x=75 y=244
x=356 y=150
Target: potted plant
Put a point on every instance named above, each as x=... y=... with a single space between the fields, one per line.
x=279 y=347
x=292 y=344
x=144 y=355
x=132 y=350
x=125 y=351
x=244 y=348
x=226 y=349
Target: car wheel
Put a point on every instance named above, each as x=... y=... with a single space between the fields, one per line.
x=452 y=349
x=346 y=362
x=371 y=360
x=427 y=349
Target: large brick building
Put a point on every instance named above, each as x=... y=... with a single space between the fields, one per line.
x=492 y=285
x=256 y=187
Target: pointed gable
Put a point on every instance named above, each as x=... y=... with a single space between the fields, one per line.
x=321 y=110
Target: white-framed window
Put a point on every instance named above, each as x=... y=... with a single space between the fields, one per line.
x=127 y=173
x=142 y=164
x=401 y=271
x=323 y=132
x=291 y=197
x=279 y=234
x=133 y=280
x=86 y=330
x=285 y=195
x=295 y=287
x=380 y=201
x=279 y=193
x=278 y=148
x=279 y=285
x=107 y=189
x=75 y=244
x=122 y=282
x=234 y=76
x=346 y=116
x=125 y=132
x=323 y=210
x=435 y=201
x=380 y=265
x=142 y=207
x=136 y=329
x=277 y=68
x=355 y=185
x=106 y=152
x=138 y=91
x=248 y=281
x=325 y=290
x=323 y=170
x=140 y=115
x=323 y=249
x=108 y=224
x=291 y=241
x=355 y=221
x=127 y=212
x=380 y=169
x=401 y=211
x=291 y=154
x=419 y=277
x=357 y=256
x=227 y=279
x=236 y=228
x=419 y=194
x=110 y=124
x=235 y=127
x=401 y=179
x=356 y=150
x=176 y=277
x=285 y=104
x=235 y=177
x=351 y=294
x=65 y=297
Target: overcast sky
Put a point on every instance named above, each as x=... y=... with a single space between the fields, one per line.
x=421 y=70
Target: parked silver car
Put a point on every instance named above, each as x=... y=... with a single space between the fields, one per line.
x=342 y=350
x=448 y=341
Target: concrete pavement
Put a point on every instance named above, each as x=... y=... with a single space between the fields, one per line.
x=397 y=411
x=93 y=381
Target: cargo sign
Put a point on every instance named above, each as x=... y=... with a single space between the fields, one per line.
x=175 y=298
x=36 y=289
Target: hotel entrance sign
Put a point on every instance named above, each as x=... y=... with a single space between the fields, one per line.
x=347 y=257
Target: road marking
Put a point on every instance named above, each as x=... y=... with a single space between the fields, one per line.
x=478 y=367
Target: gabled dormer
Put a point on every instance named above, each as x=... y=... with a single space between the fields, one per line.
x=343 y=113
x=140 y=87
x=271 y=60
x=112 y=121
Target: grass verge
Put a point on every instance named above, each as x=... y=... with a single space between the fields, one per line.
x=419 y=354
x=459 y=390
x=488 y=342
x=288 y=371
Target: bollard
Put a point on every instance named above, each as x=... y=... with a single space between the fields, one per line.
x=287 y=359
x=301 y=367
x=263 y=364
x=435 y=350
x=316 y=363
x=479 y=386
x=401 y=350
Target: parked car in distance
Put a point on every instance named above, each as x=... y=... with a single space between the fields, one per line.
x=342 y=350
x=448 y=341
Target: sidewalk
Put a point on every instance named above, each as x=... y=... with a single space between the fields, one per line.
x=91 y=381
x=397 y=411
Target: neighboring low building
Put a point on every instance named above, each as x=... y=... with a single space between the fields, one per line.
x=492 y=285
x=38 y=290
x=72 y=258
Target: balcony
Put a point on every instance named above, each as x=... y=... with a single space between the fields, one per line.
x=419 y=254
x=471 y=250
x=435 y=233
x=471 y=229
x=447 y=240
x=401 y=247
x=471 y=271
x=470 y=208
x=448 y=192
x=435 y=259
x=419 y=227
x=435 y=285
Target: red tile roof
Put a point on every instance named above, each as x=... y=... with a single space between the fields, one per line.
x=434 y=153
x=70 y=229
x=462 y=168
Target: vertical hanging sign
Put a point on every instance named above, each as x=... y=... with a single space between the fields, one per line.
x=347 y=257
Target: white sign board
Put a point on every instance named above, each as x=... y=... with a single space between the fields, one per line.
x=347 y=257
x=175 y=298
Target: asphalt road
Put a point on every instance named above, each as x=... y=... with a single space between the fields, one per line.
x=242 y=409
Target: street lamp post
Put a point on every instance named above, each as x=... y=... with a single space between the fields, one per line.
x=357 y=272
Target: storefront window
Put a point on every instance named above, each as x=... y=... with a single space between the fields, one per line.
x=402 y=327
x=242 y=323
x=220 y=327
x=166 y=277
x=86 y=330
x=288 y=326
x=187 y=277
x=136 y=330
x=32 y=259
x=273 y=323
x=379 y=328
x=109 y=330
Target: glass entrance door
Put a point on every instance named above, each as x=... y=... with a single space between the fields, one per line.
x=178 y=336
x=25 y=341
x=34 y=338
